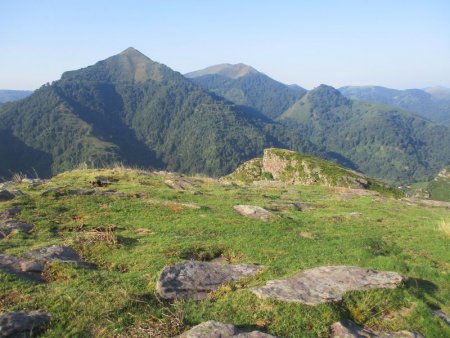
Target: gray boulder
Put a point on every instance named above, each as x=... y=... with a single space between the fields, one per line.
x=282 y=206
x=6 y=195
x=195 y=280
x=327 y=284
x=255 y=212
x=441 y=314
x=9 y=226
x=22 y=324
x=214 y=329
x=348 y=329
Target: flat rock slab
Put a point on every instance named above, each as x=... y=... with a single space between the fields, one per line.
x=31 y=265
x=281 y=206
x=22 y=324
x=327 y=284
x=9 y=213
x=254 y=212
x=9 y=226
x=181 y=183
x=214 y=329
x=194 y=280
x=6 y=195
x=348 y=329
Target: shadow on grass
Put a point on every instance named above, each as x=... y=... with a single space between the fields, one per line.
x=421 y=288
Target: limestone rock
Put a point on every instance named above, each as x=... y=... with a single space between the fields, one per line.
x=327 y=284
x=193 y=279
x=181 y=183
x=22 y=324
x=9 y=213
x=280 y=206
x=214 y=329
x=9 y=226
x=348 y=329
x=21 y=267
x=55 y=253
x=254 y=212
x=6 y=195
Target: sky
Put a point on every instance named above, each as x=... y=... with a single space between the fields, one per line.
x=393 y=43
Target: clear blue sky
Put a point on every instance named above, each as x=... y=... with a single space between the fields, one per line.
x=394 y=43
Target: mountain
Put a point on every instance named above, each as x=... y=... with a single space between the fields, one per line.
x=245 y=86
x=7 y=95
x=432 y=103
x=382 y=141
x=131 y=109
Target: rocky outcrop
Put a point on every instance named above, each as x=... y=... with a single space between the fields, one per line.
x=7 y=227
x=348 y=329
x=280 y=165
x=31 y=265
x=195 y=280
x=327 y=284
x=6 y=195
x=214 y=329
x=22 y=324
x=254 y=212
x=9 y=213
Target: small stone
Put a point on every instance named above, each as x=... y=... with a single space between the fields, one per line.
x=6 y=195
x=348 y=329
x=255 y=212
x=31 y=266
x=22 y=324
x=195 y=280
x=327 y=284
x=214 y=329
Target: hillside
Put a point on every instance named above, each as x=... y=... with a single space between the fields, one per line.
x=7 y=95
x=432 y=103
x=97 y=244
x=131 y=109
x=246 y=86
x=280 y=165
x=382 y=141
x=436 y=189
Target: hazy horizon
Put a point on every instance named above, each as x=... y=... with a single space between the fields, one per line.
x=339 y=43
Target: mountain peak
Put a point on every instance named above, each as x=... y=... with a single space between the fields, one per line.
x=232 y=71
x=328 y=94
x=131 y=51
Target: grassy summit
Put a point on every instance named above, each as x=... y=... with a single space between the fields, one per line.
x=138 y=224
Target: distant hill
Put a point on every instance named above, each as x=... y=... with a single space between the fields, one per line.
x=7 y=95
x=246 y=86
x=432 y=103
x=381 y=141
x=295 y=168
x=131 y=109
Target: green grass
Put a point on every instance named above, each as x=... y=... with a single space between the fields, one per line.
x=162 y=226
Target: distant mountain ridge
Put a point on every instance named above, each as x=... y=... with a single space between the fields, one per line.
x=128 y=108
x=245 y=86
x=432 y=103
x=382 y=141
x=8 y=95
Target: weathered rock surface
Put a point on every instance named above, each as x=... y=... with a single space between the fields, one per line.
x=31 y=265
x=427 y=203
x=22 y=324
x=348 y=329
x=327 y=284
x=6 y=195
x=7 y=227
x=214 y=329
x=9 y=213
x=194 y=280
x=181 y=183
x=441 y=314
x=254 y=212
x=281 y=206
